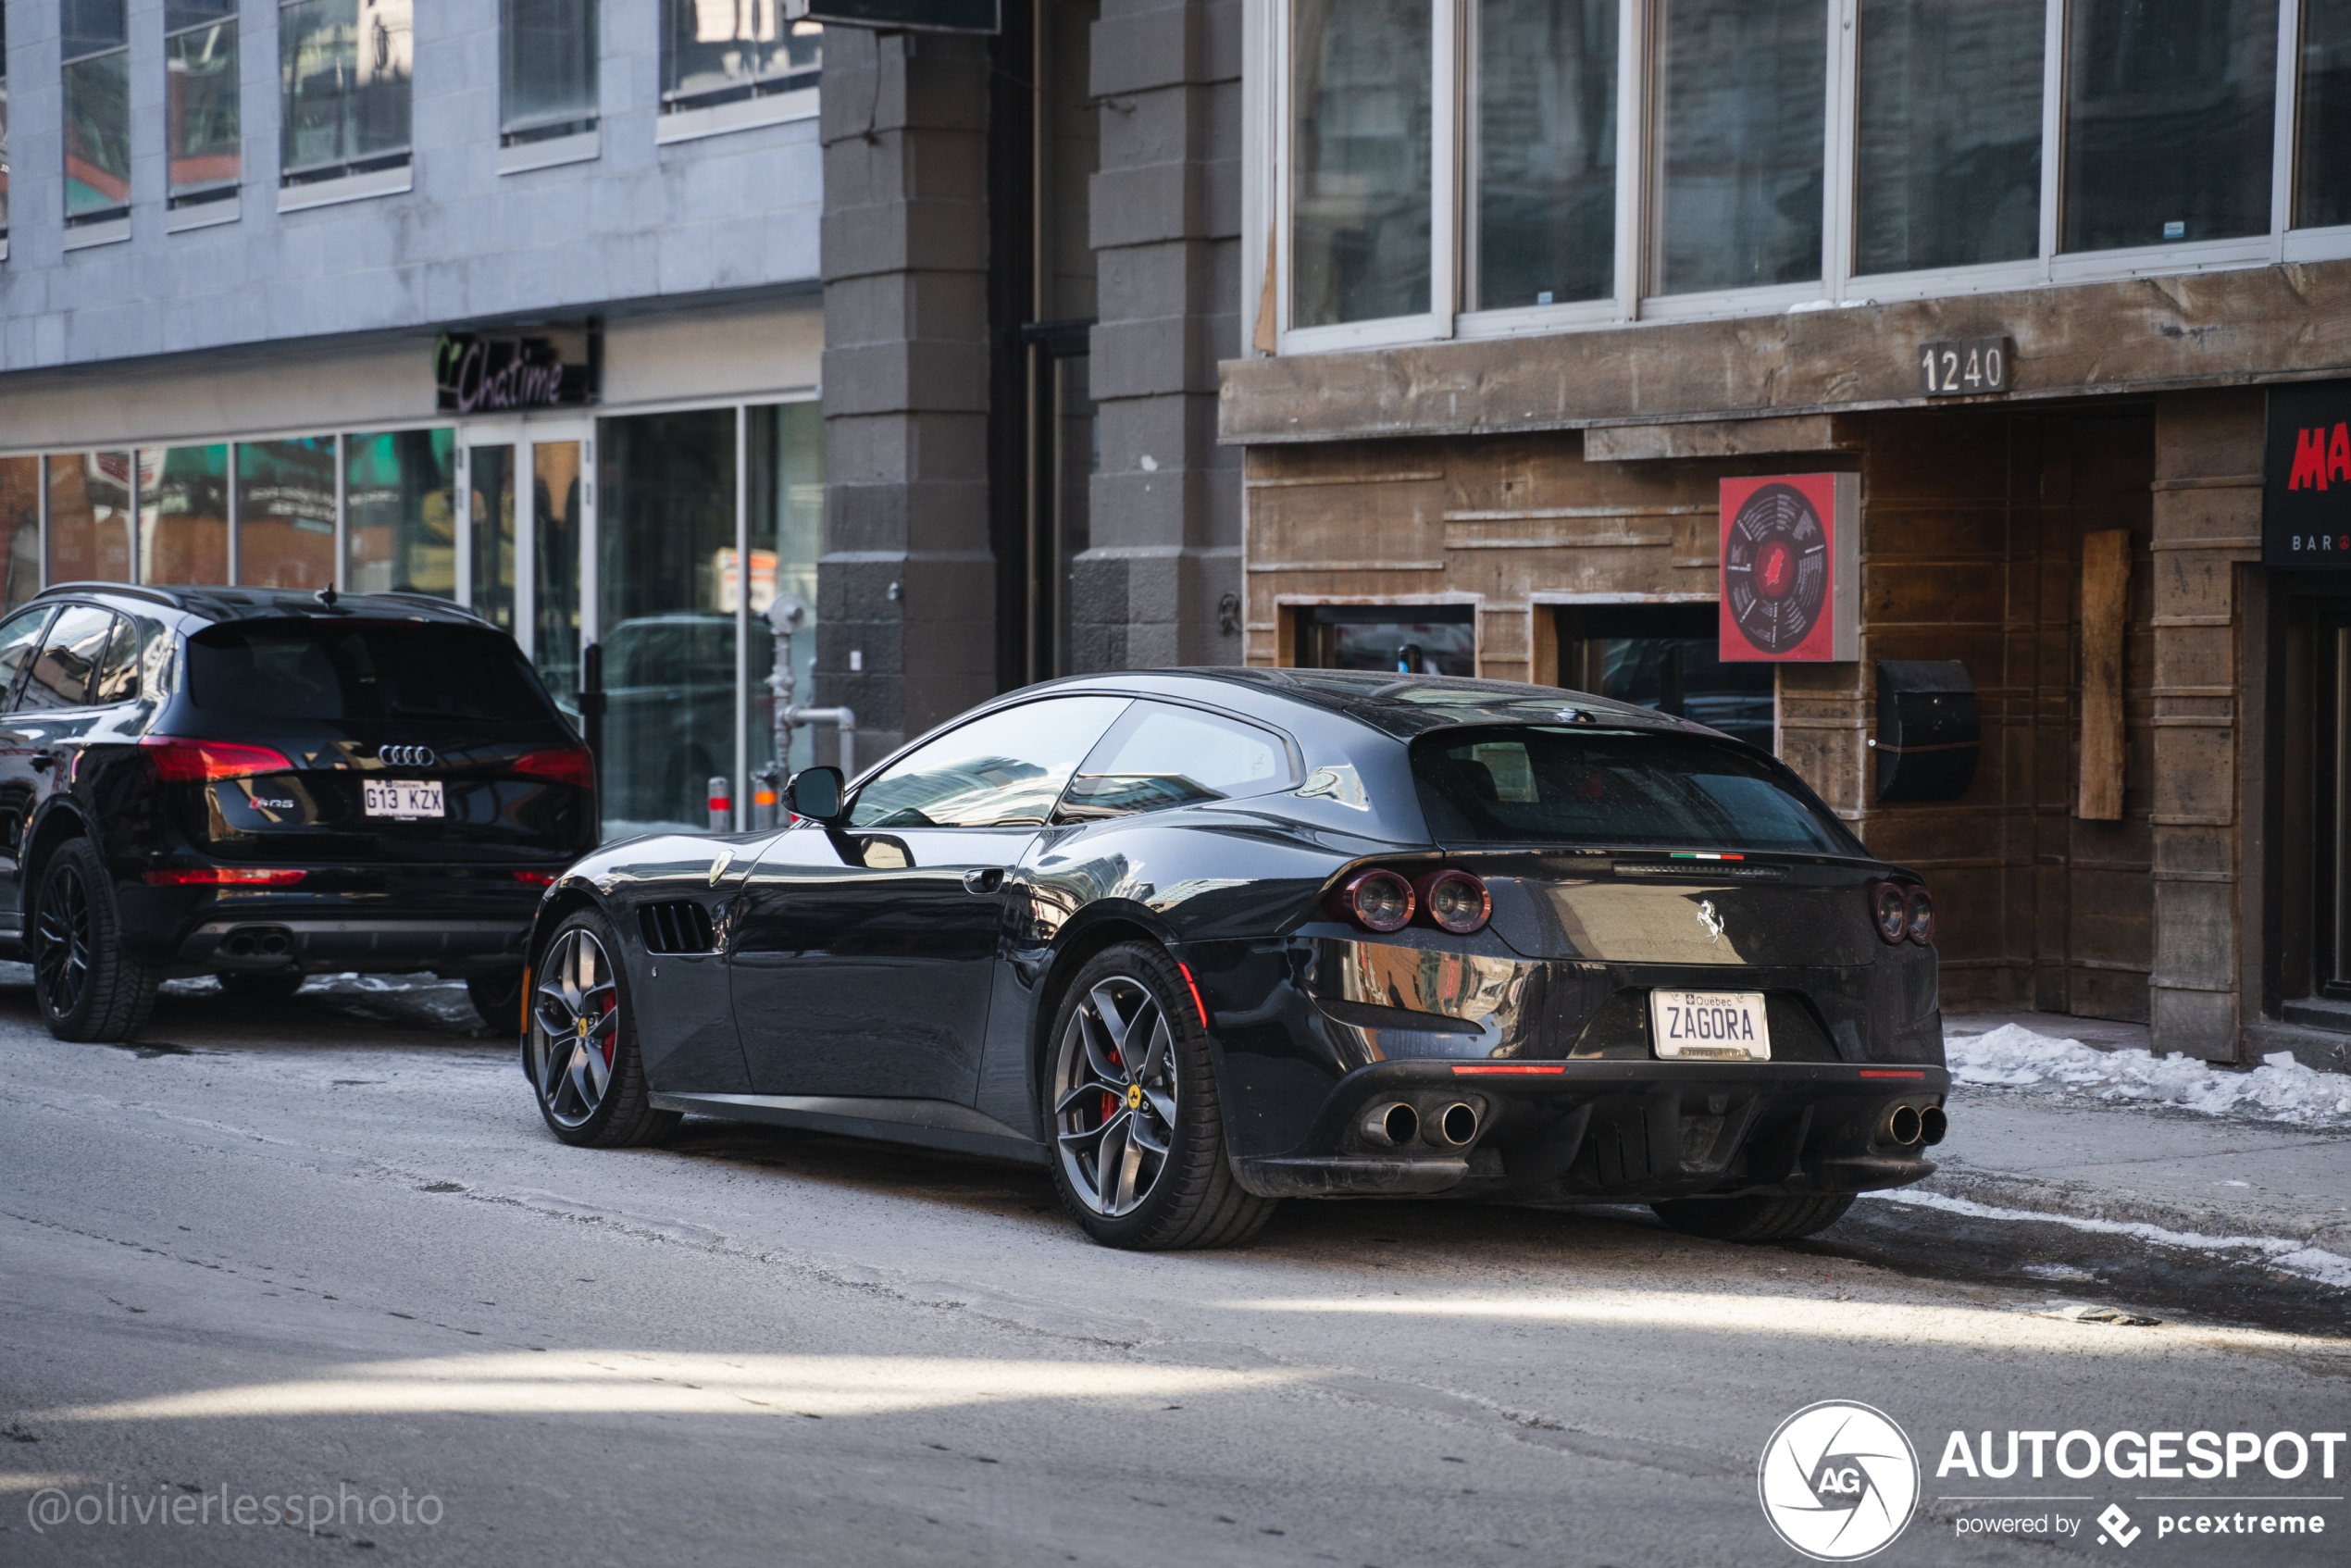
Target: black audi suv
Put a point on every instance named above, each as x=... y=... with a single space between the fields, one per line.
x=262 y=784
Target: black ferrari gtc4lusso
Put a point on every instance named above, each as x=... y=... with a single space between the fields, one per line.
x=1198 y=940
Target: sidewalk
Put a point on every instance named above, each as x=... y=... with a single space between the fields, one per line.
x=2115 y=1139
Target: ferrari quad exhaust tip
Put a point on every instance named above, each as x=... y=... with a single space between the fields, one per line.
x=1932 y=1125
x=1902 y=1126
x=1455 y=1127
x=1392 y=1124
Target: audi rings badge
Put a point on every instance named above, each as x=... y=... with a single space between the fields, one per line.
x=407 y=756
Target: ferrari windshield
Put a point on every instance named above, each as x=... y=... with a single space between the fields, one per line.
x=1540 y=785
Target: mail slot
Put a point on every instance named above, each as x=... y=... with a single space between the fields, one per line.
x=1928 y=730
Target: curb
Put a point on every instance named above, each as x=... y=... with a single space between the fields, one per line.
x=2063 y=1199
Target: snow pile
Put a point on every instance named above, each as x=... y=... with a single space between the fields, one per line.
x=2281 y=1089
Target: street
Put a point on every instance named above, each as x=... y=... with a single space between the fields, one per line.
x=323 y=1256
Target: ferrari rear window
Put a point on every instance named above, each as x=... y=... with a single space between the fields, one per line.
x=1539 y=785
x=362 y=670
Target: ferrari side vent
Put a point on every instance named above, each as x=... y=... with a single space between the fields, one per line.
x=682 y=926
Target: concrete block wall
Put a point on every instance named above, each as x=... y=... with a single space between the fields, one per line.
x=732 y=212
x=1166 y=212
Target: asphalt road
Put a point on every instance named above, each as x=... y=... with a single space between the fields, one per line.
x=325 y=1251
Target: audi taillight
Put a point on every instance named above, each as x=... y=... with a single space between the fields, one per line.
x=1455 y=900
x=536 y=878
x=1377 y=899
x=1920 y=924
x=566 y=764
x=179 y=761
x=227 y=877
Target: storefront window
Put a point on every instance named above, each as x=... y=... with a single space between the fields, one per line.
x=2322 y=181
x=1665 y=657
x=1409 y=639
x=492 y=481
x=400 y=511
x=1546 y=160
x=1950 y=149
x=90 y=517
x=547 y=69
x=666 y=527
x=1360 y=160
x=710 y=53
x=786 y=535
x=2170 y=107
x=1742 y=121
x=285 y=512
x=343 y=70
x=183 y=514
x=19 y=529
x=201 y=134
x=97 y=110
x=557 y=475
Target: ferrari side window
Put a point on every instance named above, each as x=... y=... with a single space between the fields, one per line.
x=1158 y=756
x=1002 y=770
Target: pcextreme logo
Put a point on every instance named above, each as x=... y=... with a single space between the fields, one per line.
x=1839 y=1481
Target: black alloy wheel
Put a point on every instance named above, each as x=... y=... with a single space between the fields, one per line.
x=498 y=998
x=88 y=988
x=583 y=1043
x=1131 y=1100
x=1755 y=1218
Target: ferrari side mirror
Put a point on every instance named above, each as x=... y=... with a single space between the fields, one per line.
x=814 y=793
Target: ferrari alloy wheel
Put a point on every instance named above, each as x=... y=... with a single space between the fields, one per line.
x=88 y=989
x=1131 y=1099
x=583 y=1043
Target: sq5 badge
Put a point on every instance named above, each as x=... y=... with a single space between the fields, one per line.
x=1839 y=1481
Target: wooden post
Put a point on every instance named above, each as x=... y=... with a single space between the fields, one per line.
x=2106 y=579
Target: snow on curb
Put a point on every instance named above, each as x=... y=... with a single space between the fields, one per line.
x=2280 y=1090
x=2293 y=1257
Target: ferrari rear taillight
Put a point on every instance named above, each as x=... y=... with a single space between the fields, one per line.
x=1901 y=911
x=1377 y=899
x=1455 y=900
x=180 y=761
x=1922 y=916
x=567 y=764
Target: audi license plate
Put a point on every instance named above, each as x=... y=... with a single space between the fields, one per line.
x=1710 y=1026
x=406 y=798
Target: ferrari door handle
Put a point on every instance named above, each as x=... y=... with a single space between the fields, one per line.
x=983 y=879
x=43 y=761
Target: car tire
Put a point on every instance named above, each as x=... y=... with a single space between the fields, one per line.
x=88 y=988
x=1164 y=1113
x=582 y=1042
x=1753 y=1219
x=273 y=985
x=498 y=998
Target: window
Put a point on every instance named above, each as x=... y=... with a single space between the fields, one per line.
x=183 y=514
x=787 y=534
x=3 y=131
x=97 y=54
x=400 y=511
x=344 y=76
x=1409 y=639
x=201 y=129
x=2169 y=120
x=1537 y=785
x=1003 y=770
x=90 y=517
x=118 y=675
x=1158 y=755
x=286 y=513
x=69 y=656
x=1665 y=657
x=1740 y=136
x=1362 y=95
x=1950 y=149
x=19 y=635
x=19 y=531
x=546 y=68
x=325 y=670
x=1545 y=161
x=718 y=51
x=2323 y=183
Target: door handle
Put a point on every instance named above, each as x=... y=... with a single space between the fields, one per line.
x=983 y=879
x=43 y=761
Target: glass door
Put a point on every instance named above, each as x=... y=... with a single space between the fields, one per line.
x=526 y=515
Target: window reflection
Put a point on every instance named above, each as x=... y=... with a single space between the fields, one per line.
x=183 y=514
x=557 y=487
x=547 y=67
x=1742 y=115
x=286 y=513
x=1416 y=639
x=2322 y=193
x=1360 y=158
x=786 y=535
x=19 y=531
x=344 y=68
x=400 y=517
x=1667 y=657
x=1545 y=161
x=1949 y=151
x=97 y=128
x=90 y=517
x=2169 y=111
x=712 y=51
x=490 y=481
x=201 y=134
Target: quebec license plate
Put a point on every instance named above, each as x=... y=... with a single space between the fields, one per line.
x=406 y=798
x=1710 y=1026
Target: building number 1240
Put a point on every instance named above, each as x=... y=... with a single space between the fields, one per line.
x=1970 y=364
